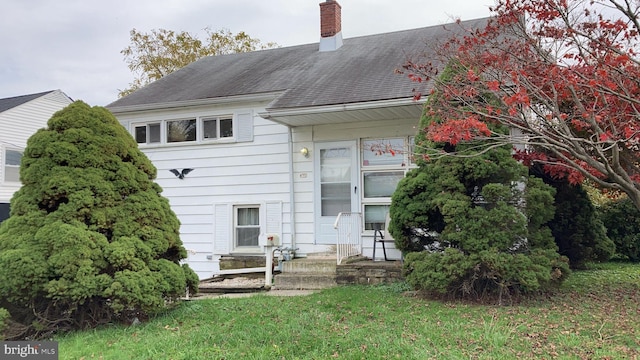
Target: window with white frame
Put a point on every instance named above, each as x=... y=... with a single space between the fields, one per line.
x=217 y=128
x=246 y=227
x=181 y=130
x=384 y=164
x=238 y=228
x=238 y=128
x=12 y=165
x=147 y=133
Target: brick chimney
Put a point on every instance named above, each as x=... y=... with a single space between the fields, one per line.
x=330 y=25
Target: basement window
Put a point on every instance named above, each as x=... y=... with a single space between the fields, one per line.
x=247 y=227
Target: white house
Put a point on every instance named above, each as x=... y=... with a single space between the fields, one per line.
x=20 y=117
x=282 y=140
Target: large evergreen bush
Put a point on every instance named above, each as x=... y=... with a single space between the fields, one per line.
x=475 y=228
x=471 y=222
x=90 y=239
x=576 y=227
x=622 y=220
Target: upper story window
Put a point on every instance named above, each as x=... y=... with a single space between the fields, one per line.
x=226 y=128
x=147 y=134
x=181 y=130
x=217 y=128
x=12 y=165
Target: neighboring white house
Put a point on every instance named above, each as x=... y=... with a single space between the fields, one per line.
x=21 y=117
x=282 y=140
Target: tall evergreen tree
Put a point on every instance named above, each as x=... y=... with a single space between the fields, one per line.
x=90 y=239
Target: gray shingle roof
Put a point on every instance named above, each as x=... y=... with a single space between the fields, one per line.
x=10 y=103
x=362 y=70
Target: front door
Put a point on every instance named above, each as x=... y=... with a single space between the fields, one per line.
x=336 y=186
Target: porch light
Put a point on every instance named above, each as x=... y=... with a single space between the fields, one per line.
x=305 y=152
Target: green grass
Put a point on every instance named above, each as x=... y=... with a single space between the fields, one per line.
x=595 y=315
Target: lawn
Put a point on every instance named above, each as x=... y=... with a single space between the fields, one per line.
x=595 y=315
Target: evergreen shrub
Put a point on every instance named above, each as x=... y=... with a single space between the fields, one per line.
x=622 y=220
x=90 y=239
x=470 y=221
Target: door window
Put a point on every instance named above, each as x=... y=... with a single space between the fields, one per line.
x=335 y=181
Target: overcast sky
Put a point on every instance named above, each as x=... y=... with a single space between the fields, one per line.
x=74 y=45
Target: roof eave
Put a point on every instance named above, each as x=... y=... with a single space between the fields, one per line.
x=352 y=112
x=234 y=99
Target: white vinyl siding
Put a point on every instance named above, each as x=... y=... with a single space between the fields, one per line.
x=226 y=173
x=273 y=216
x=252 y=172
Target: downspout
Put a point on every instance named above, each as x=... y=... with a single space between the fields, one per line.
x=292 y=202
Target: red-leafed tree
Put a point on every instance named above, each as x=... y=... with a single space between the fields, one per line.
x=564 y=76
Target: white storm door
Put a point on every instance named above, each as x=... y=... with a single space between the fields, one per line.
x=336 y=186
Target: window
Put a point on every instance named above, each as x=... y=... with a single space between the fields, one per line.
x=239 y=228
x=381 y=184
x=375 y=216
x=217 y=128
x=246 y=226
x=181 y=130
x=384 y=164
x=228 y=128
x=4 y=211
x=12 y=165
x=335 y=180
x=384 y=152
x=147 y=134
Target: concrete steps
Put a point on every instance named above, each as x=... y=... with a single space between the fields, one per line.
x=311 y=273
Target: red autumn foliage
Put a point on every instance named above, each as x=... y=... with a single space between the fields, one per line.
x=565 y=74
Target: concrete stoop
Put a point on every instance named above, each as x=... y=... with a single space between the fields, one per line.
x=311 y=273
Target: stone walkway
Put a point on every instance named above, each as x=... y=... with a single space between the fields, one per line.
x=237 y=287
x=247 y=294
